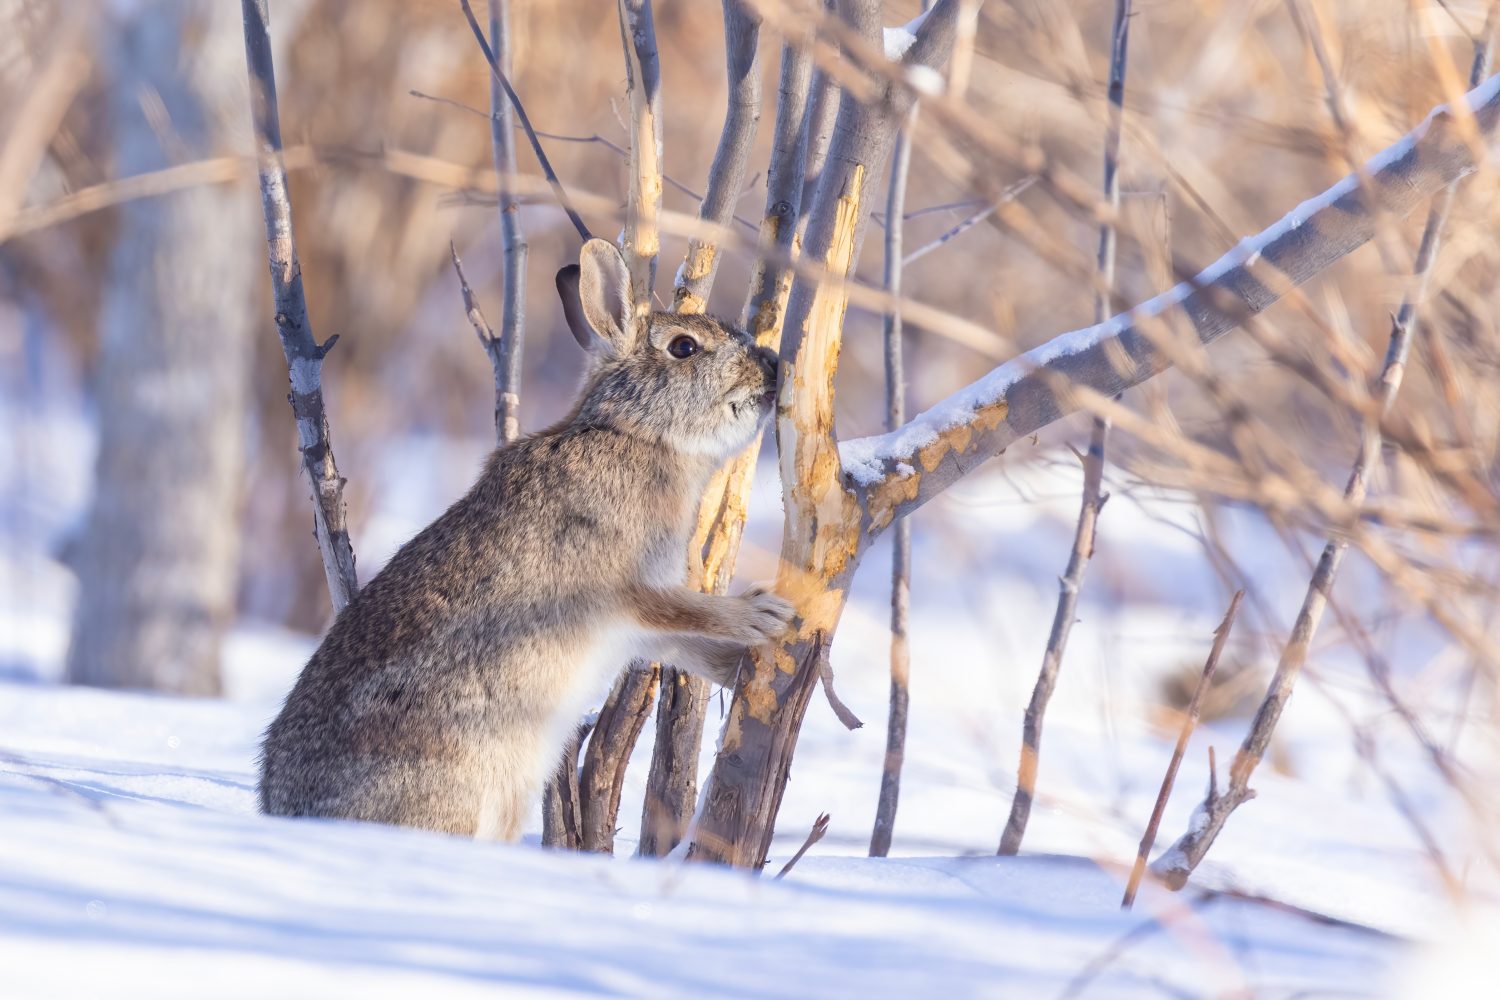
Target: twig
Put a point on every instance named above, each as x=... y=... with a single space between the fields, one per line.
x=595 y=138
x=819 y=828
x=304 y=355
x=1189 y=723
x=515 y=101
x=1177 y=864
x=1094 y=497
x=1010 y=194
x=487 y=339
x=506 y=357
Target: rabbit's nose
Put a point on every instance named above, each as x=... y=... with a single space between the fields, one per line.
x=766 y=358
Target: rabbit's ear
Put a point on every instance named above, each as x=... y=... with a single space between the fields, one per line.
x=604 y=294
x=567 y=290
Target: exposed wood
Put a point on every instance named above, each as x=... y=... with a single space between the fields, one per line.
x=304 y=355
x=1070 y=585
x=821 y=538
x=642 y=235
x=672 y=788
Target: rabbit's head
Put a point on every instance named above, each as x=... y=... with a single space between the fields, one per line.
x=692 y=382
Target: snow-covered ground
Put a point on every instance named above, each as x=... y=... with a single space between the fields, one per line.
x=132 y=862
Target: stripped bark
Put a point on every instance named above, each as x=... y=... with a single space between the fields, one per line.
x=1177 y=864
x=304 y=355
x=672 y=788
x=672 y=784
x=1189 y=723
x=895 y=416
x=624 y=711
x=1094 y=497
x=642 y=236
x=819 y=546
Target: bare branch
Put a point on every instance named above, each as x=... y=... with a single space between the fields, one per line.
x=1071 y=583
x=938 y=447
x=603 y=777
x=1177 y=864
x=498 y=73
x=506 y=358
x=1189 y=723
x=744 y=790
x=819 y=828
x=895 y=416
x=304 y=355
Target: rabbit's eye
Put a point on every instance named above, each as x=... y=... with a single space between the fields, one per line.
x=682 y=347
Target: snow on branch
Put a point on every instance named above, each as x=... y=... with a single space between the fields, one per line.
x=897 y=472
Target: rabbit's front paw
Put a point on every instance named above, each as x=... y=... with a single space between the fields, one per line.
x=767 y=615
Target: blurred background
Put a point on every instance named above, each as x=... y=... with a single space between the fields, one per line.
x=150 y=497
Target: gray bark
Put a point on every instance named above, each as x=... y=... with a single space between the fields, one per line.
x=158 y=555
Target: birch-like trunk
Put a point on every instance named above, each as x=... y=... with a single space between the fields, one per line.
x=158 y=558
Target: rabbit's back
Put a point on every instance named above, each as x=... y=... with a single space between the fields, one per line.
x=442 y=692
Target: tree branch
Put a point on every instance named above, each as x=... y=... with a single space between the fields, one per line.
x=498 y=74
x=1178 y=863
x=304 y=355
x=893 y=474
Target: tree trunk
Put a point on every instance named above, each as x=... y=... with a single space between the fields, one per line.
x=159 y=553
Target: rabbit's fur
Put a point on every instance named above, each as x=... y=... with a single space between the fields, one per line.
x=442 y=695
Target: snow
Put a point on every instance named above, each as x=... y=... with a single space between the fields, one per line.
x=133 y=862
x=899 y=39
x=865 y=459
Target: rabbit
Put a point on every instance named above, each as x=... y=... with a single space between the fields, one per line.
x=441 y=697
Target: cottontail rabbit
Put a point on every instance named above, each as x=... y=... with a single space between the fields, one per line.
x=442 y=695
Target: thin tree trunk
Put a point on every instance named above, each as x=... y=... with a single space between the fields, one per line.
x=895 y=416
x=744 y=791
x=304 y=355
x=1071 y=583
x=158 y=558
